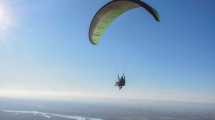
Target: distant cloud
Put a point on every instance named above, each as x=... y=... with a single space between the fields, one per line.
x=115 y=96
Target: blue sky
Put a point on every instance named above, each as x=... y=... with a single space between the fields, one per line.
x=44 y=50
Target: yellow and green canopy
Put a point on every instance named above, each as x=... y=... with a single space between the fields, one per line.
x=109 y=12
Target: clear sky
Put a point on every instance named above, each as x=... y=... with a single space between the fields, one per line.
x=45 y=51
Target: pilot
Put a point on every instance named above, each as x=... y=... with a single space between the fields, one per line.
x=121 y=82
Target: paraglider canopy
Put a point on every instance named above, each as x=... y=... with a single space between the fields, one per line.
x=109 y=12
